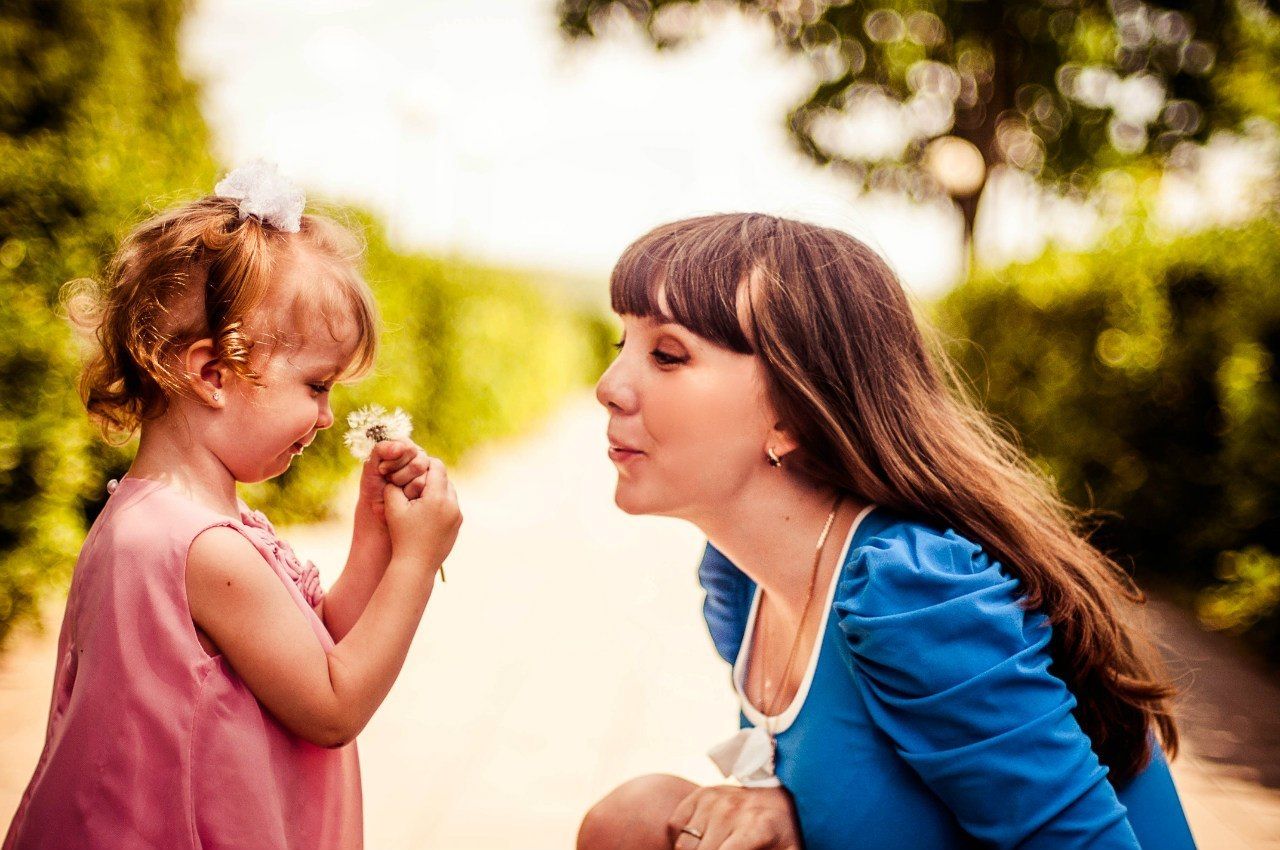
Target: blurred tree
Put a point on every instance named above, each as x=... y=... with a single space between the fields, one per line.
x=1060 y=89
x=1144 y=377
x=96 y=118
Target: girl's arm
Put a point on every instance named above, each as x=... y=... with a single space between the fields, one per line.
x=394 y=462
x=240 y=603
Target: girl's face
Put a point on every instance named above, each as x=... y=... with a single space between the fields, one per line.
x=263 y=428
x=689 y=422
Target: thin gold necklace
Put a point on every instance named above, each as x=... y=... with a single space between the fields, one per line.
x=771 y=706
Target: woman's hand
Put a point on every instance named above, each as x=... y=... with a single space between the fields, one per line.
x=732 y=818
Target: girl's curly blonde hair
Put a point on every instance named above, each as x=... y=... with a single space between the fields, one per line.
x=199 y=271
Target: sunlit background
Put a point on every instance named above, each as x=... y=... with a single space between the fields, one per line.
x=472 y=128
x=1080 y=194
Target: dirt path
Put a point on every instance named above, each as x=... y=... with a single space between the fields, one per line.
x=566 y=654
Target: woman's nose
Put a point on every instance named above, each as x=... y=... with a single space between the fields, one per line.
x=614 y=390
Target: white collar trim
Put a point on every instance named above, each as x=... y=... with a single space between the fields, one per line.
x=779 y=723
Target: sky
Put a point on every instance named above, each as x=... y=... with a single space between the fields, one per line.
x=473 y=129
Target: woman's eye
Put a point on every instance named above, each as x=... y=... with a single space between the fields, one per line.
x=666 y=359
x=662 y=357
x=320 y=389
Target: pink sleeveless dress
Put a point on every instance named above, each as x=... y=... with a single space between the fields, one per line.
x=151 y=742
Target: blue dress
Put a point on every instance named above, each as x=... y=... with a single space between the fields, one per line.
x=927 y=716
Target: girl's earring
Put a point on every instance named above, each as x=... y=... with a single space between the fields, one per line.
x=774 y=460
x=217 y=395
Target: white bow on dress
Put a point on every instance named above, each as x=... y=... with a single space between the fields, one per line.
x=747 y=757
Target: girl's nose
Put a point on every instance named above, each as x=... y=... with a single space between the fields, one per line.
x=325 y=419
x=614 y=389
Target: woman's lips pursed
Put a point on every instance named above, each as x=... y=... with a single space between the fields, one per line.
x=621 y=455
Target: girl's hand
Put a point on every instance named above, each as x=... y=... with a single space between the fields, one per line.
x=733 y=818
x=398 y=462
x=424 y=527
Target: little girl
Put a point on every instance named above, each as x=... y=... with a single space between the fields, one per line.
x=207 y=692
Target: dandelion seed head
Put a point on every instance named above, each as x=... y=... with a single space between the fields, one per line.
x=373 y=424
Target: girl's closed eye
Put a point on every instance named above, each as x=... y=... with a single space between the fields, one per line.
x=321 y=388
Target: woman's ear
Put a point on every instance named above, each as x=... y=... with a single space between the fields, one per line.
x=206 y=373
x=780 y=442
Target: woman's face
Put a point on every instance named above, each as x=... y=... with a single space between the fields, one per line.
x=689 y=422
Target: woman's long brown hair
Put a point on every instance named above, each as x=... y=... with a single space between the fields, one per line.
x=880 y=411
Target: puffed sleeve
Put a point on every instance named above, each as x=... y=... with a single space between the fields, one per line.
x=727 y=602
x=956 y=673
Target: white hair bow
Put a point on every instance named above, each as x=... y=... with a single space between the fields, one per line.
x=266 y=193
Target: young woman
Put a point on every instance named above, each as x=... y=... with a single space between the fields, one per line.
x=927 y=650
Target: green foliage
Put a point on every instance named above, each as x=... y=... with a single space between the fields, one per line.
x=1060 y=90
x=1251 y=591
x=1251 y=83
x=1145 y=378
x=96 y=121
x=95 y=118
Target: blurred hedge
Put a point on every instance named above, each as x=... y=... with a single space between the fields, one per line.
x=96 y=122
x=1145 y=377
x=95 y=118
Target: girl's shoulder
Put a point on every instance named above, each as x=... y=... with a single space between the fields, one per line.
x=137 y=549
x=146 y=520
x=148 y=517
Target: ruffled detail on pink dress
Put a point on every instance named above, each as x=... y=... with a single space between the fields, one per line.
x=305 y=575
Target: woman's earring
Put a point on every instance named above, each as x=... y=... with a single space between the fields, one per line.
x=217 y=395
x=774 y=460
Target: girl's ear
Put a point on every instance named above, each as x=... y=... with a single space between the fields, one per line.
x=206 y=373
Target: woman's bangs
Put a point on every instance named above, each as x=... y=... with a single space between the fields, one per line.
x=679 y=274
